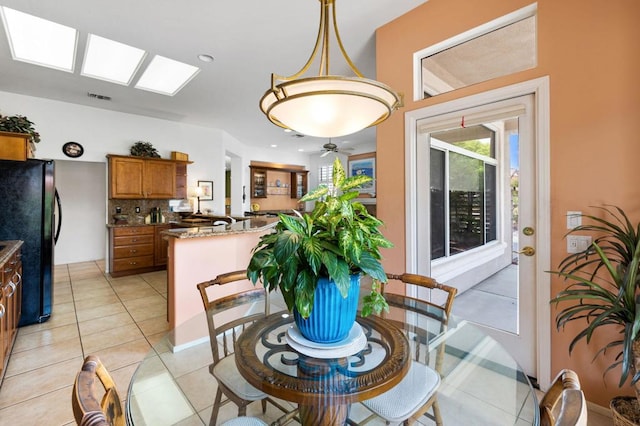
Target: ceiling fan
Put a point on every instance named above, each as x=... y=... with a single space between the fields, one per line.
x=330 y=147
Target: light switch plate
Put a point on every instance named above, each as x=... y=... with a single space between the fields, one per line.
x=574 y=219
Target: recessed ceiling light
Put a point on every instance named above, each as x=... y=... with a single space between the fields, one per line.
x=274 y=146
x=166 y=76
x=39 y=41
x=205 y=58
x=300 y=149
x=110 y=60
x=287 y=130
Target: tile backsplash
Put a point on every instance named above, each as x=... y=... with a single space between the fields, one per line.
x=128 y=207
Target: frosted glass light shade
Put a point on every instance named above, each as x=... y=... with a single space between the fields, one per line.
x=329 y=106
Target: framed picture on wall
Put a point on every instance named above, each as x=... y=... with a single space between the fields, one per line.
x=364 y=164
x=207 y=190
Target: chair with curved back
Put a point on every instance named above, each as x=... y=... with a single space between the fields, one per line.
x=416 y=394
x=90 y=409
x=227 y=317
x=564 y=403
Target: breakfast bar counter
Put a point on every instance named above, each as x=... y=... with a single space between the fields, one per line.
x=200 y=254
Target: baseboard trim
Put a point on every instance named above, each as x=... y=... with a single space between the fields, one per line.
x=178 y=348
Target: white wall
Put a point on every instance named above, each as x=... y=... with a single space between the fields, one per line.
x=103 y=132
x=83 y=196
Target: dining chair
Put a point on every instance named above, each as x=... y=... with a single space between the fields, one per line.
x=564 y=403
x=254 y=421
x=416 y=393
x=89 y=408
x=227 y=317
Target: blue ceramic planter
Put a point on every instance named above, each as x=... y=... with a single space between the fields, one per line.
x=332 y=315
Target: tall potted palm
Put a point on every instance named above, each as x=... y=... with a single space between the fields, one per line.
x=604 y=292
x=321 y=255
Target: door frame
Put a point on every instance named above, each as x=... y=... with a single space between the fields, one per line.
x=540 y=89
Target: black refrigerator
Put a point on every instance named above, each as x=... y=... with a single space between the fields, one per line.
x=27 y=209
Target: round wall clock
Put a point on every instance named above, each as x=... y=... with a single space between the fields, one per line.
x=72 y=149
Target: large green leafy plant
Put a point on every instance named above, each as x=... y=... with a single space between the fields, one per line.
x=19 y=124
x=603 y=289
x=337 y=239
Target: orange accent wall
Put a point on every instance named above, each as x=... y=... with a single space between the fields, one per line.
x=591 y=53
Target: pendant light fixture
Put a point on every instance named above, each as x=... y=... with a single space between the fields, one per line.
x=327 y=105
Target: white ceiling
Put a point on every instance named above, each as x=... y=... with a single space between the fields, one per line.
x=249 y=39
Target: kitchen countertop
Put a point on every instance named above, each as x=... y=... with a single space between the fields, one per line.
x=7 y=248
x=255 y=224
x=124 y=225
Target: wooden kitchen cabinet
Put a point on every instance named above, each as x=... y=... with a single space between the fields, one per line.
x=258 y=183
x=131 y=250
x=181 y=181
x=10 y=305
x=161 y=253
x=137 y=178
x=298 y=184
x=137 y=249
x=16 y=146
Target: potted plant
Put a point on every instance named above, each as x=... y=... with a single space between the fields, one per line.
x=19 y=124
x=604 y=292
x=144 y=149
x=323 y=254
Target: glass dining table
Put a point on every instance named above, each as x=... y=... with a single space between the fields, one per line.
x=481 y=383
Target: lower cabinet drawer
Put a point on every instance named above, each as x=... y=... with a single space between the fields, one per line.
x=129 y=263
x=132 y=239
x=133 y=230
x=132 y=251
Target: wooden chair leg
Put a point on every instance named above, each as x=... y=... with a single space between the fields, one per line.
x=436 y=413
x=264 y=405
x=215 y=408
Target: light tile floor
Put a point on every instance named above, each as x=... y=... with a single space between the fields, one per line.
x=120 y=320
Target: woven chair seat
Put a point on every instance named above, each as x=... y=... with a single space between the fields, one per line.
x=244 y=421
x=401 y=401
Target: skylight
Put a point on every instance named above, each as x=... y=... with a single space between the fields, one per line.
x=110 y=60
x=39 y=41
x=166 y=76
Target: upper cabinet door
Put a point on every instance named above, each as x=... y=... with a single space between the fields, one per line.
x=137 y=178
x=160 y=179
x=126 y=177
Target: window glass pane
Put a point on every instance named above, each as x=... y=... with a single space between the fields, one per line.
x=491 y=225
x=503 y=51
x=466 y=203
x=438 y=223
x=478 y=139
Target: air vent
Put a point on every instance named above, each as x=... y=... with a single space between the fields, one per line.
x=101 y=97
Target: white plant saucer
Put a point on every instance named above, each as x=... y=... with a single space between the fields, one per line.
x=353 y=343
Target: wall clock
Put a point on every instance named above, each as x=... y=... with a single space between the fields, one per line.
x=72 y=149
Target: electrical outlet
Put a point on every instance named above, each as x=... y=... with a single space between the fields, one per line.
x=137 y=209
x=578 y=243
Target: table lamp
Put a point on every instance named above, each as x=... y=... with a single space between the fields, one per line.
x=198 y=192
